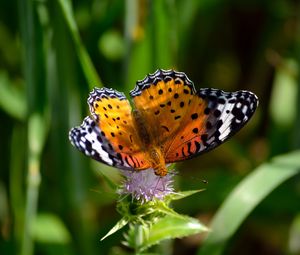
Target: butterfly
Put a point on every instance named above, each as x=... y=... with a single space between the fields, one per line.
x=170 y=121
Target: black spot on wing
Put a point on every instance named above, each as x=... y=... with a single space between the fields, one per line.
x=90 y=140
x=226 y=114
x=98 y=94
x=166 y=76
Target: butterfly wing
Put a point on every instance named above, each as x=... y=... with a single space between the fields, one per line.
x=108 y=135
x=224 y=115
x=185 y=122
x=163 y=99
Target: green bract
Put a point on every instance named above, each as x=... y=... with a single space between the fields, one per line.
x=151 y=222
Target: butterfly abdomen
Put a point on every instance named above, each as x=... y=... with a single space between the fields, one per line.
x=141 y=129
x=152 y=151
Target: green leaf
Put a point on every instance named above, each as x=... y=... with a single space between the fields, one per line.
x=164 y=40
x=245 y=197
x=48 y=228
x=111 y=45
x=171 y=227
x=110 y=183
x=12 y=100
x=164 y=208
x=37 y=132
x=120 y=224
x=294 y=236
x=182 y=194
x=286 y=89
x=85 y=60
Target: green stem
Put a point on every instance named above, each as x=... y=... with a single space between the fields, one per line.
x=37 y=126
x=34 y=180
x=138 y=234
x=16 y=182
x=27 y=34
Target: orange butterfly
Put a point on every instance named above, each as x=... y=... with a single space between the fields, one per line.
x=170 y=122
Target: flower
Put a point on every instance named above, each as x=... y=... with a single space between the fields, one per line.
x=144 y=207
x=145 y=186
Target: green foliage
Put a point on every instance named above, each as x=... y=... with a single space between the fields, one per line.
x=154 y=221
x=245 y=197
x=12 y=99
x=111 y=45
x=141 y=237
x=52 y=53
x=85 y=61
x=294 y=247
x=56 y=231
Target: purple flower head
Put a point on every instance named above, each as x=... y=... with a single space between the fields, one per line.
x=146 y=186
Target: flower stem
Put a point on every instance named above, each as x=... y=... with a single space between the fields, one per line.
x=138 y=233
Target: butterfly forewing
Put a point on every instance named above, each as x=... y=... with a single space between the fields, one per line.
x=164 y=99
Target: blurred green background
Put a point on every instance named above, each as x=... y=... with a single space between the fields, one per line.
x=54 y=200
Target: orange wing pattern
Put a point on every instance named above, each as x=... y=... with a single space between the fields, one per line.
x=224 y=115
x=186 y=122
x=171 y=122
x=164 y=99
x=110 y=136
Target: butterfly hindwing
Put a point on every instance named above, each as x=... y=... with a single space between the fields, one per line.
x=89 y=140
x=111 y=129
x=225 y=114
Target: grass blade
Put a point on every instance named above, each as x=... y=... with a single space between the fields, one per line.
x=87 y=66
x=245 y=197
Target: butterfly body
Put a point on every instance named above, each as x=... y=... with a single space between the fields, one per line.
x=170 y=122
x=149 y=145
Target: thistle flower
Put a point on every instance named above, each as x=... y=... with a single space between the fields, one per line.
x=144 y=207
x=145 y=186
